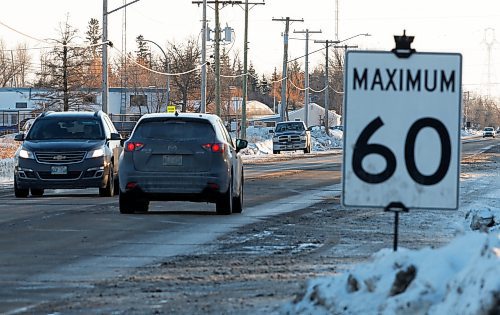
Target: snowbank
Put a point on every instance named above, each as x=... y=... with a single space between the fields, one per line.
x=260 y=140
x=459 y=278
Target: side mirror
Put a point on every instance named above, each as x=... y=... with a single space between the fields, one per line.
x=115 y=136
x=19 y=137
x=241 y=144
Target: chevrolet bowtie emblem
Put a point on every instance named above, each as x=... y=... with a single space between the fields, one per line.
x=59 y=157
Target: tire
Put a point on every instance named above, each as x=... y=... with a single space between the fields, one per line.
x=238 y=201
x=20 y=192
x=109 y=190
x=130 y=205
x=117 y=186
x=224 y=204
x=276 y=152
x=37 y=192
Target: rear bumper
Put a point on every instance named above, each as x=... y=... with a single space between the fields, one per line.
x=173 y=187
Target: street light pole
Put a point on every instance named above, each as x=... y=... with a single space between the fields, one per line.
x=105 y=86
x=166 y=67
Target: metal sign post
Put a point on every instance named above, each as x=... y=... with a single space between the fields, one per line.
x=402 y=120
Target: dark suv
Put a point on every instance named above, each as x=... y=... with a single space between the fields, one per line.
x=68 y=150
x=181 y=157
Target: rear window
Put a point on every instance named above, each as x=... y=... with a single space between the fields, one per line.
x=488 y=129
x=65 y=128
x=176 y=129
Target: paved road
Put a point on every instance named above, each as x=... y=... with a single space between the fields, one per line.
x=67 y=240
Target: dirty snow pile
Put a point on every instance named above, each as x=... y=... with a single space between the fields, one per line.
x=459 y=278
x=260 y=140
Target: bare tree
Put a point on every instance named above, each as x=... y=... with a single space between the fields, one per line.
x=66 y=72
x=184 y=58
x=13 y=65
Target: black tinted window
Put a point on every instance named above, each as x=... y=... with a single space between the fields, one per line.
x=175 y=129
x=65 y=128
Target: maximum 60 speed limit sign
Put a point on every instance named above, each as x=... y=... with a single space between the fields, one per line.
x=402 y=130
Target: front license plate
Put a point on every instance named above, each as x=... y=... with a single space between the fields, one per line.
x=172 y=160
x=59 y=170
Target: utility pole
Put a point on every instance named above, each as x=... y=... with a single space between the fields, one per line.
x=284 y=104
x=306 y=75
x=217 y=60
x=203 y=105
x=245 y=77
x=105 y=87
x=327 y=80
x=216 y=48
x=105 y=43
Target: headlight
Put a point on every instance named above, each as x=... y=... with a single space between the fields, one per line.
x=25 y=154
x=95 y=153
x=303 y=138
x=275 y=139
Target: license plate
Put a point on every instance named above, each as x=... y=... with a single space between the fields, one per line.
x=59 y=170
x=172 y=160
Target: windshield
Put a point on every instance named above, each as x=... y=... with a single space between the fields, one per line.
x=290 y=126
x=488 y=129
x=65 y=128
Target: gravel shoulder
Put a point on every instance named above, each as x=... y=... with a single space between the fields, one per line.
x=259 y=267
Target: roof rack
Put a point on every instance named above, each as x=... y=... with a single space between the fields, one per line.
x=43 y=114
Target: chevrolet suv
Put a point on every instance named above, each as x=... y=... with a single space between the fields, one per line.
x=68 y=150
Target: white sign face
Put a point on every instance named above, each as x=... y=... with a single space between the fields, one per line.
x=402 y=130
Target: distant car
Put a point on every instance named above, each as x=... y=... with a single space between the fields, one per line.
x=290 y=136
x=488 y=132
x=183 y=157
x=68 y=150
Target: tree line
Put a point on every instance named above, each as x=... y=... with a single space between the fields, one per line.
x=71 y=71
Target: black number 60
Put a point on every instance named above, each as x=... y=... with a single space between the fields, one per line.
x=362 y=149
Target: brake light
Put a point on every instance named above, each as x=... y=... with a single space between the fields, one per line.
x=134 y=146
x=214 y=147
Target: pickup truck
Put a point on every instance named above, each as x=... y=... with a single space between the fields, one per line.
x=290 y=136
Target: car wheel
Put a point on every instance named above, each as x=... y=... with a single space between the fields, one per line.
x=37 y=192
x=109 y=190
x=125 y=203
x=276 y=152
x=224 y=203
x=20 y=192
x=238 y=201
x=117 y=186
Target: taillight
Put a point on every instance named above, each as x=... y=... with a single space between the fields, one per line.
x=214 y=147
x=133 y=146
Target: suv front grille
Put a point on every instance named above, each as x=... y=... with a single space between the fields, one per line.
x=70 y=175
x=60 y=157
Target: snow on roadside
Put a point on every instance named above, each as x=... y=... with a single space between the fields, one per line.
x=459 y=278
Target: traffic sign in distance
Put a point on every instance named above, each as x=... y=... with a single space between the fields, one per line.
x=402 y=130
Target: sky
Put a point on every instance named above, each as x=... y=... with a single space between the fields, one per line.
x=467 y=27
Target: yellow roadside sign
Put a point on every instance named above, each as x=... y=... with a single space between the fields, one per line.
x=171 y=109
